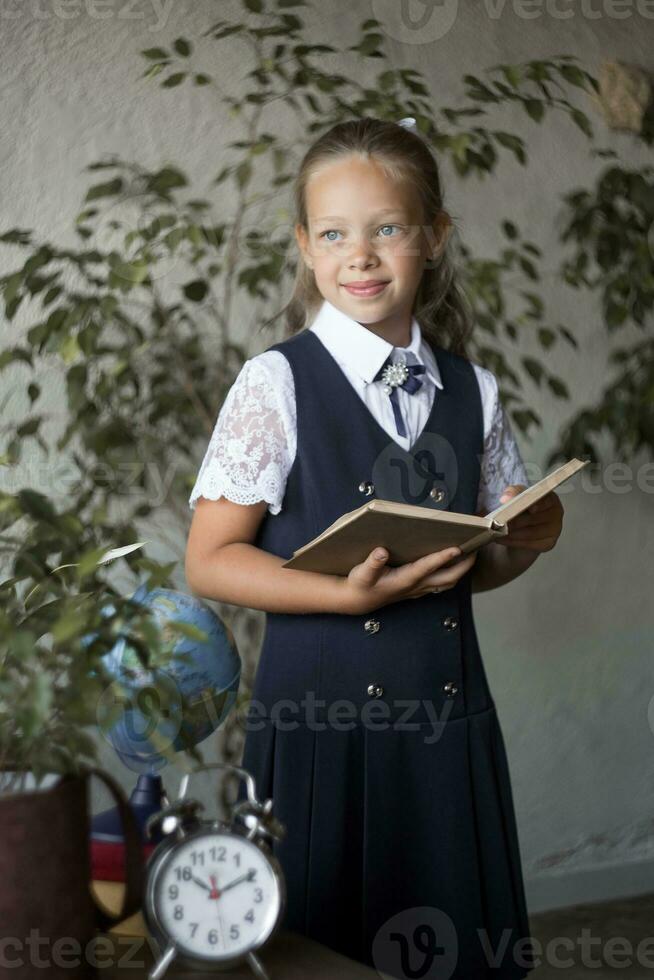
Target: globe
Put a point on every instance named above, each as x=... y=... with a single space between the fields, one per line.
x=199 y=684
x=145 y=713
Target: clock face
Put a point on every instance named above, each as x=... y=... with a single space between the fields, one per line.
x=217 y=896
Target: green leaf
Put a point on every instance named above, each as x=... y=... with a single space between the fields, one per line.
x=30 y=427
x=255 y=6
x=153 y=71
x=15 y=237
x=546 y=337
x=69 y=349
x=196 y=290
x=108 y=189
x=513 y=143
x=174 y=80
x=528 y=267
x=509 y=229
x=558 y=388
x=573 y=75
x=370 y=44
x=11 y=286
x=51 y=295
x=89 y=561
x=512 y=74
x=615 y=314
x=582 y=121
x=166 y=179
x=37 y=506
x=534 y=108
x=69 y=625
x=129 y=272
x=201 y=79
x=571 y=339
x=183 y=47
x=15 y=354
x=243 y=173
x=534 y=368
x=155 y=54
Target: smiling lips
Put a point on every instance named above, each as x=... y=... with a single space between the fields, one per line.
x=370 y=287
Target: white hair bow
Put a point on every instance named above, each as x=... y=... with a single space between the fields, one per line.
x=409 y=123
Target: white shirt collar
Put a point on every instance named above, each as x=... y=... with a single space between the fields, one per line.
x=363 y=351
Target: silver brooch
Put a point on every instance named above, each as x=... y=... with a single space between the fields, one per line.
x=394 y=375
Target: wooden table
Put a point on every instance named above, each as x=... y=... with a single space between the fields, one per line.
x=289 y=956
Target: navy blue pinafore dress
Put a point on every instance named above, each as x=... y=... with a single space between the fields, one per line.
x=376 y=735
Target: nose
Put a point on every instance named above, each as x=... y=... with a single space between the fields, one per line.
x=362 y=254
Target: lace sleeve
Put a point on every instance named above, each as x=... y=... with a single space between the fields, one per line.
x=501 y=463
x=253 y=443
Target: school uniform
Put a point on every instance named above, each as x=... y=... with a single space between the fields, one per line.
x=376 y=735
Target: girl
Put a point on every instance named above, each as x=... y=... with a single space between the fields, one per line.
x=375 y=732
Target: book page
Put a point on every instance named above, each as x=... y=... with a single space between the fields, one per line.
x=517 y=505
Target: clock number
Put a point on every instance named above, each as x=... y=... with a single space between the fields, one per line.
x=183 y=874
x=194 y=928
x=219 y=851
x=197 y=857
x=173 y=891
x=179 y=912
x=237 y=859
x=249 y=917
x=212 y=937
x=234 y=932
x=258 y=895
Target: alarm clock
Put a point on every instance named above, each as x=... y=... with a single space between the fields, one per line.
x=214 y=892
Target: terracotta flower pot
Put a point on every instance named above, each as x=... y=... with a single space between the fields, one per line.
x=48 y=914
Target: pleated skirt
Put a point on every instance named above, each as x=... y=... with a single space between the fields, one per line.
x=401 y=848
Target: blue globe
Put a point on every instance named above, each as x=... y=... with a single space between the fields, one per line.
x=200 y=683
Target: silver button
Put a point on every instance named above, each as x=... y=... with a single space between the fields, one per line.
x=450 y=623
x=375 y=690
x=371 y=626
x=450 y=689
x=437 y=493
x=366 y=487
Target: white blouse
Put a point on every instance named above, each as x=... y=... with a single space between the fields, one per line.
x=254 y=439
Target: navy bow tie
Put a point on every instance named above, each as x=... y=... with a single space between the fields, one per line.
x=399 y=375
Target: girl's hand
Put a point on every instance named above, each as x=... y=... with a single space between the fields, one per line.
x=539 y=527
x=371 y=584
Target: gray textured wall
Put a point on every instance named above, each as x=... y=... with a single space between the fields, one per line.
x=568 y=646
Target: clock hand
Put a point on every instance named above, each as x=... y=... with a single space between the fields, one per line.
x=198 y=881
x=248 y=876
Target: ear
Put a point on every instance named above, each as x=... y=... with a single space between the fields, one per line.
x=302 y=240
x=442 y=228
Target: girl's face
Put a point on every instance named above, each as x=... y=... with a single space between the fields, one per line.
x=364 y=227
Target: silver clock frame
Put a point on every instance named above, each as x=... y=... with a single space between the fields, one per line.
x=185 y=826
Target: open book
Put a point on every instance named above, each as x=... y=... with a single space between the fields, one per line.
x=410 y=532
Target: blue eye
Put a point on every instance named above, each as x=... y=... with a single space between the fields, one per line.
x=333 y=231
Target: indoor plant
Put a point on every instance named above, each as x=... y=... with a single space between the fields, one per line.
x=112 y=324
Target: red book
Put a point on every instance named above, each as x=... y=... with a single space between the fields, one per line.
x=108 y=860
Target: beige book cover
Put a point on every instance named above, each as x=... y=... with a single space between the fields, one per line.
x=409 y=532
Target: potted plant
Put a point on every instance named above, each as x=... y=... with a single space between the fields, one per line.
x=58 y=619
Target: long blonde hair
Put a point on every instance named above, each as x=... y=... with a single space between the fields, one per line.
x=440 y=306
